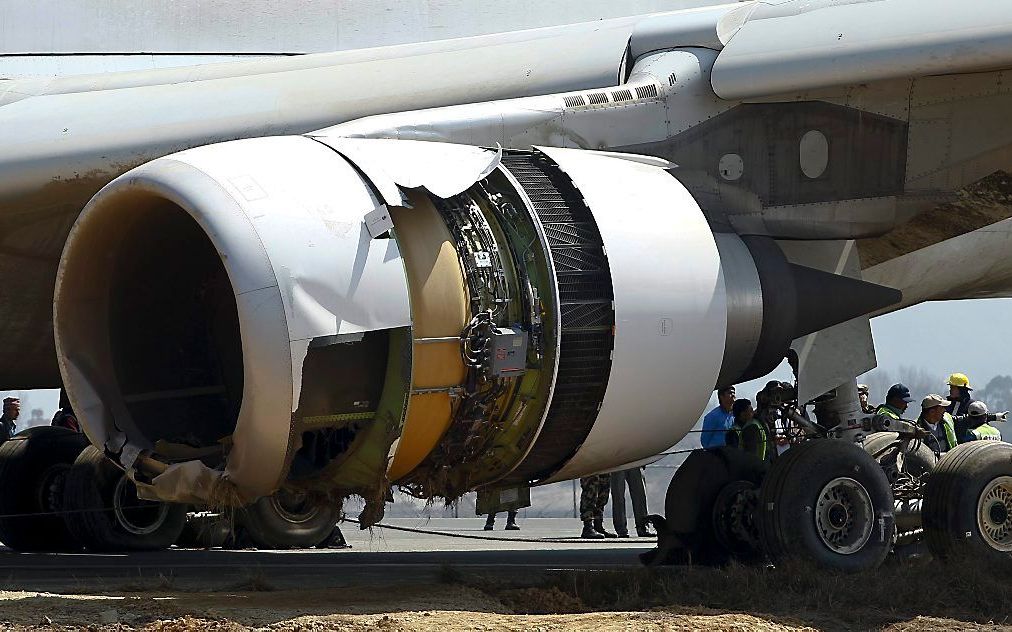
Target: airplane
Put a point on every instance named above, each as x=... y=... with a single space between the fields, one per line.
x=500 y=261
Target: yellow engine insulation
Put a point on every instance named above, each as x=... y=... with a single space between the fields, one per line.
x=439 y=308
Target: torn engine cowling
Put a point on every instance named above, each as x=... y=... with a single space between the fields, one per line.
x=338 y=314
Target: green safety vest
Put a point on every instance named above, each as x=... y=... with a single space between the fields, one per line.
x=948 y=424
x=986 y=431
x=887 y=411
x=762 y=437
x=950 y=430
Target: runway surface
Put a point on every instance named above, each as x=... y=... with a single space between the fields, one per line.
x=379 y=555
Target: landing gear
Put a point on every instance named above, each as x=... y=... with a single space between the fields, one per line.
x=734 y=523
x=33 y=470
x=288 y=520
x=899 y=456
x=206 y=530
x=105 y=513
x=829 y=502
x=824 y=500
x=968 y=503
x=708 y=518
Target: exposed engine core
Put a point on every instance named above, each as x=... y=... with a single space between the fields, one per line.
x=338 y=315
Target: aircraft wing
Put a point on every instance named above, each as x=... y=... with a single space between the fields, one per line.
x=790 y=47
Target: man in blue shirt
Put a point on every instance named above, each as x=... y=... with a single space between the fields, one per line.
x=718 y=421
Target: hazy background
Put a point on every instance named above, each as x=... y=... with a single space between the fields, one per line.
x=919 y=346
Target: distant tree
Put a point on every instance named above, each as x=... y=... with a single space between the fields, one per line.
x=919 y=381
x=997 y=394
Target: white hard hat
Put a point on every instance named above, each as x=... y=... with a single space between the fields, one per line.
x=977 y=409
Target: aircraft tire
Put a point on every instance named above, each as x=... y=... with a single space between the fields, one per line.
x=287 y=520
x=687 y=534
x=105 y=513
x=33 y=469
x=918 y=459
x=967 y=510
x=828 y=502
x=206 y=531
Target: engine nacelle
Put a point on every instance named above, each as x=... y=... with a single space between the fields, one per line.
x=341 y=314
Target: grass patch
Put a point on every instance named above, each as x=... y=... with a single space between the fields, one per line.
x=794 y=593
x=255 y=581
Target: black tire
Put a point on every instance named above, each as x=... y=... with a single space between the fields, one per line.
x=33 y=466
x=967 y=509
x=692 y=496
x=288 y=520
x=205 y=531
x=851 y=529
x=105 y=514
x=918 y=459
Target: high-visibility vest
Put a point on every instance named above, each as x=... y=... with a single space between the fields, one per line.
x=887 y=411
x=986 y=432
x=762 y=437
x=950 y=430
x=948 y=425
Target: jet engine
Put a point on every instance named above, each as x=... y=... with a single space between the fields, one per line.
x=340 y=314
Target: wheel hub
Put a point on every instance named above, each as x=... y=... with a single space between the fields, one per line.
x=51 y=487
x=734 y=517
x=134 y=514
x=294 y=506
x=844 y=515
x=994 y=513
x=838 y=516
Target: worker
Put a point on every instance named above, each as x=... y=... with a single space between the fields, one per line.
x=935 y=418
x=862 y=396
x=897 y=399
x=511 y=521
x=959 y=394
x=749 y=433
x=974 y=425
x=9 y=417
x=633 y=477
x=719 y=420
x=593 y=498
x=65 y=417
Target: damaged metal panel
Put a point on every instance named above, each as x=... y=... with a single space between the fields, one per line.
x=286 y=218
x=800 y=46
x=443 y=169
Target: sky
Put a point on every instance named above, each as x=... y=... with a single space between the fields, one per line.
x=940 y=337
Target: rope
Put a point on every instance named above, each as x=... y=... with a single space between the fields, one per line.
x=465 y=536
x=468 y=536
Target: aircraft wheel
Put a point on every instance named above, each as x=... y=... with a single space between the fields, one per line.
x=734 y=521
x=917 y=460
x=967 y=507
x=205 y=531
x=106 y=514
x=829 y=502
x=288 y=520
x=707 y=509
x=33 y=469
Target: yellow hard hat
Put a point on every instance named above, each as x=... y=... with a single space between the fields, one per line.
x=959 y=379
